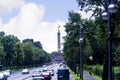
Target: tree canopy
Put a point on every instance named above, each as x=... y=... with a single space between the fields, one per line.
x=26 y=53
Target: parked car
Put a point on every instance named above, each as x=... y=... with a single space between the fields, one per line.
x=25 y=71
x=36 y=73
x=38 y=78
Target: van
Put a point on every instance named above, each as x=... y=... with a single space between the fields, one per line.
x=63 y=74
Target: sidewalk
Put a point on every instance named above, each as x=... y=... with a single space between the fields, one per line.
x=88 y=77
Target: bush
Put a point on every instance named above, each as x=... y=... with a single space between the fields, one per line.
x=95 y=69
x=117 y=76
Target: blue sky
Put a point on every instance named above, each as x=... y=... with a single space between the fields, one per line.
x=56 y=9
x=36 y=19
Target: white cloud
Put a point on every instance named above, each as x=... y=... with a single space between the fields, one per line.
x=29 y=24
x=1 y=23
x=10 y=5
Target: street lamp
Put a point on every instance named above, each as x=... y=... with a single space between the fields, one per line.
x=91 y=58
x=81 y=53
x=81 y=46
x=11 y=64
x=0 y=66
x=110 y=7
x=90 y=69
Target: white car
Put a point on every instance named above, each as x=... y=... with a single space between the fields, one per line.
x=6 y=73
x=51 y=71
x=1 y=76
x=25 y=71
x=45 y=68
x=36 y=73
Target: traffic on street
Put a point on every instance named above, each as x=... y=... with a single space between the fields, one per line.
x=46 y=72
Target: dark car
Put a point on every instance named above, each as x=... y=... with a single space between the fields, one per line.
x=63 y=74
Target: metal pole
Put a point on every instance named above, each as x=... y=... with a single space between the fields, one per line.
x=110 y=76
x=81 y=55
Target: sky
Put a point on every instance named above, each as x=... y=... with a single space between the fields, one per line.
x=36 y=19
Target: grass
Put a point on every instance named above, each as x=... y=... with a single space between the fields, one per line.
x=76 y=77
x=94 y=75
x=117 y=69
x=99 y=68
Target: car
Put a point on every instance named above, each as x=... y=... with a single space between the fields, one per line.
x=51 y=71
x=25 y=71
x=36 y=73
x=45 y=69
x=44 y=65
x=46 y=75
x=2 y=76
x=6 y=73
x=9 y=71
x=38 y=78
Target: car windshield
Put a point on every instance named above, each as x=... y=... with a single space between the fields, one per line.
x=63 y=71
x=38 y=79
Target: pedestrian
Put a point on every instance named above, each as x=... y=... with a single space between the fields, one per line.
x=90 y=71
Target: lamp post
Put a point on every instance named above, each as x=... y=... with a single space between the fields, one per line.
x=11 y=64
x=0 y=66
x=91 y=58
x=81 y=53
x=110 y=8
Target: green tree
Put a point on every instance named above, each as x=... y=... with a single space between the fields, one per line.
x=2 y=34
x=8 y=45
x=38 y=44
x=19 y=54
x=28 y=53
x=94 y=40
x=71 y=46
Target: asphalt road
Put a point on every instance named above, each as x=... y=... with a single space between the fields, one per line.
x=19 y=76
x=55 y=67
